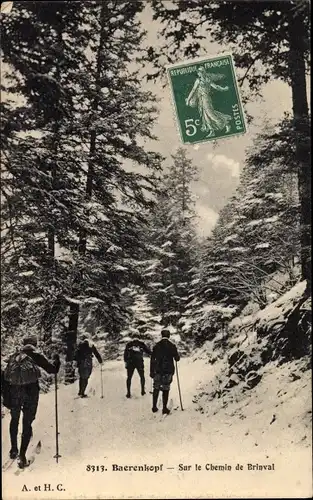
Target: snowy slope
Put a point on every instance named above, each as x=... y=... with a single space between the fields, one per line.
x=114 y=430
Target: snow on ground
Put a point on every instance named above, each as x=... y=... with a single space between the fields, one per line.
x=273 y=312
x=114 y=430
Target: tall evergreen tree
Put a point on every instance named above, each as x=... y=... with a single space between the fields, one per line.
x=269 y=39
x=249 y=257
x=173 y=235
x=86 y=202
x=115 y=114
x=142 y=320
x=40 y=194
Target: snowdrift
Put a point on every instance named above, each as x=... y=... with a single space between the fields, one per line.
x=278 y=334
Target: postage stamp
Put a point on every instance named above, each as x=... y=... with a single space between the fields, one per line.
x=207 y=99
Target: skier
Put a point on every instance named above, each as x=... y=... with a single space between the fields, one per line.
x=133 y=358
x=21 y=376
x=162 y=369
x=83 y=356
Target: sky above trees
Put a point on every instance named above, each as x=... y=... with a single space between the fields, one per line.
x=219 y=164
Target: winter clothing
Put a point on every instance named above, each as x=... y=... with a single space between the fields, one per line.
x=83 y=357
x=5 y=390
x=134 y=350
x=133 y=357
x=162 y=370
x=25 y=398
x=162 y=382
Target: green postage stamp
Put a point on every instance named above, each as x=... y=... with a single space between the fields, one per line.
x=206 y=98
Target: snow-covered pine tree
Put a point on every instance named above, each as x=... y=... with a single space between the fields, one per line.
x=115 y=115
x=253 y=31
x=143 y=320
x=93 y=208
x=249 y=256
x=172 y=232
x=43 y=48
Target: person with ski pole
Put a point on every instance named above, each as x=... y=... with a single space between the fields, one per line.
x=22 y=375
x=133 y=359
x=83 y=357
x=162 y=370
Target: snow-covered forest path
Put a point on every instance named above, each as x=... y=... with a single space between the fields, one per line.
x=115 y=430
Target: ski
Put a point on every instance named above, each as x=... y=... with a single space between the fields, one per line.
x=8 y=463
x=31 y=460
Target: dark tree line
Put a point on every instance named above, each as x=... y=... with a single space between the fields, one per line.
x=72 y=212
x=91 y=226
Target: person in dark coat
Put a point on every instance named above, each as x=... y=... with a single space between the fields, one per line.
x=162 y=369
x=133 y=358
x=25 y=396
x=83 y=356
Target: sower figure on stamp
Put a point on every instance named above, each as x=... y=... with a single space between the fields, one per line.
x=162 y=369
x=21 y=376
x=133 y=358
x=201 y=96
x=83 y=357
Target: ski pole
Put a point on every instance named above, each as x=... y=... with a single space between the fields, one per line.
x=101 y=382
x=56 y=456
x=178 y=384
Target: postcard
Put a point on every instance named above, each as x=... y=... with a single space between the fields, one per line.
x=156 y=239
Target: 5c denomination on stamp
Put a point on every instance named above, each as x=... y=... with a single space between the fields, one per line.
x=207 y=99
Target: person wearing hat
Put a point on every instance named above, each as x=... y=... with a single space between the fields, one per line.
x=83 y=356
x=162 y=369
x=22 y=376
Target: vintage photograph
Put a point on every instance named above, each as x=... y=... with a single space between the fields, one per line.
x=156 y=249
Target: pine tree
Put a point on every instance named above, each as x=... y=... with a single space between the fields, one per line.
x=143 y=320
x=40 y=195
x=115 y=114
x=269 y=39
x=249 y=257
x=80 y=209
x=173 y=235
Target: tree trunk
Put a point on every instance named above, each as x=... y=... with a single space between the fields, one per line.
x=49 y=311
x=184 y=194
x=48 y=317
x=71 y=343
x=301 y=126
x=74 y=308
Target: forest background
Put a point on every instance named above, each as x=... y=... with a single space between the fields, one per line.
x=108 y=225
